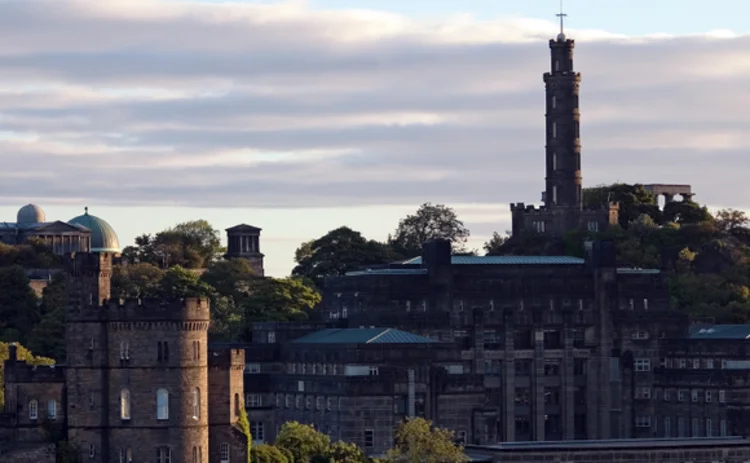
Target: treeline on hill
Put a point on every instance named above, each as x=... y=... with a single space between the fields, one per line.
x=706 y=258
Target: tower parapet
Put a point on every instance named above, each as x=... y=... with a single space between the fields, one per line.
x=192 y=309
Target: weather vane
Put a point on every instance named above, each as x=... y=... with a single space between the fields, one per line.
x=562 y=17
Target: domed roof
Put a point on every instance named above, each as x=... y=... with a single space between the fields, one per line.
x=30 y=213
x=103 y=236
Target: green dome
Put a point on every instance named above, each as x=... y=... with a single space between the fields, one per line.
x=103 y=236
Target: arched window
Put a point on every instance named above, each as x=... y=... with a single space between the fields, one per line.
x=236 y=405
x=33 y=410
x=196 y=403
x=158 y=351
x=199 y=350
x=162 y=404
x=166 y=351
x=195 y=455
x=125 y=404
x=52 y=409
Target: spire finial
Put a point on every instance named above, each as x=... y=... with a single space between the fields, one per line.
x=562 y=17
x=86 y=209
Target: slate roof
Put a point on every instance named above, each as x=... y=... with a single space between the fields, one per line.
x=720 y=332
x=388 y=271
x=363 y=336
x=506 y=260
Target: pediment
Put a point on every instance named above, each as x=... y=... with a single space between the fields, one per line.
x=243 y=228
x=57 y=227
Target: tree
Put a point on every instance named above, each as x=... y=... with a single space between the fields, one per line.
x=179 y=282
x=24 y=355
x=302 y=440
x=686 y=212
x=265 y=453
x=19 y=312
x=230 y=278
x=192 y=244
x=346 y=452
x=495 y=243
x=417 y=441
x=729 y=220
x=339 y=251
x=634 y=200
x=244 y=425
x=428 y=223
x=136 y=280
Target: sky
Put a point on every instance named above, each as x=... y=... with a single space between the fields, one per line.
x=300 y=117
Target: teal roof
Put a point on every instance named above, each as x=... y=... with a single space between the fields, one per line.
x=720 y=332
x=507 y=260
x=103 y=236
x=363 y=336
x=388 y=271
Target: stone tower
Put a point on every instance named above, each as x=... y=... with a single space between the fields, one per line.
x=563 y=208
x=243 y=242
x=563 y=148
x=137 y=372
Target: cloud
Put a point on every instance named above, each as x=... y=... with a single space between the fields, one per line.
x=233 y=104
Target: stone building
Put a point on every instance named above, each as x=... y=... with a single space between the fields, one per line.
x=85 y=233
x=139 y=382
x=563 y=195
x=243 y=242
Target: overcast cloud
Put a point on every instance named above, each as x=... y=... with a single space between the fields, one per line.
x=149 y=103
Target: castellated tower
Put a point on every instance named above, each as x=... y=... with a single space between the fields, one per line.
x=137 y=372
x=226 y=371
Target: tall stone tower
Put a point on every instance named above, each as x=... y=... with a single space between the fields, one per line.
x=137 y=372
x=243 y=242
x=563 y=208
x=563 y=147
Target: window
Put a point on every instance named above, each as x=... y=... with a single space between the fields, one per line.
x=51 y=409
x=162 y=351
x=319 y=403
x=554 y=159
x=709 y=426
x=631 y=304
x=271 y=337
x=593 y=226
x=682 y=363
x=91 y=399
x=196 y=403
x=643 y=393
x=224 y=452
x=694 y=430
x=124 y=350
x=639 y=335
x=723 y=428
x=642 y=421
x=125 y=404
x=667 y=395
x=288 y=401
x=694 y=395
x=237 y=404
x=642 y=364
x=722 y=396
x=681 y=395
x=308 y=402
x=33 y=410
x=461 y=437
x=163 y=454
x=344 y=313
x=159 y=351
x=645 y=304
x=709 y=396
x=369 y=438
x=667 y=427
x=557 y=65
x=254 y=368
x=298 y=401
x=126 y=456
x=554 y=130
x=254 y=400
x=554 y=194
x=710 y=364
x=329 y=403
x=92 y=451
x=162 y=404
x=300 y=386
x=696 y=364
x=554 y=102
x=195 y=455
x=681 y=427
x=374 y=371
x=258 y=431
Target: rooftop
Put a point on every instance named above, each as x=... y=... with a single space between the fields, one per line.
x=388 y=271
x=612 y=444
x=506 y=260
x=720 y=332
x=363 y=336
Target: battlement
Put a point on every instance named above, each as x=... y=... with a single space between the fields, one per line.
x=527 y=208
x=191 y=309
x=83 y=263
x=222 y=357
x=17 y=371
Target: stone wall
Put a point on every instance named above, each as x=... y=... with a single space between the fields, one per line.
x=37 y=454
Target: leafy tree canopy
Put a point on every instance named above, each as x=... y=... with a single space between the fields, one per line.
x=302 y=440
x=265 y=453
x=193 y=244
x=339 y=251
x=431 y=221
x=417 y=441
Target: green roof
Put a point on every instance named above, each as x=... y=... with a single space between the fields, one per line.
x=720 y=332
x=388 y=271
x=103 y=236
x=363 y=336
x=507 y=260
